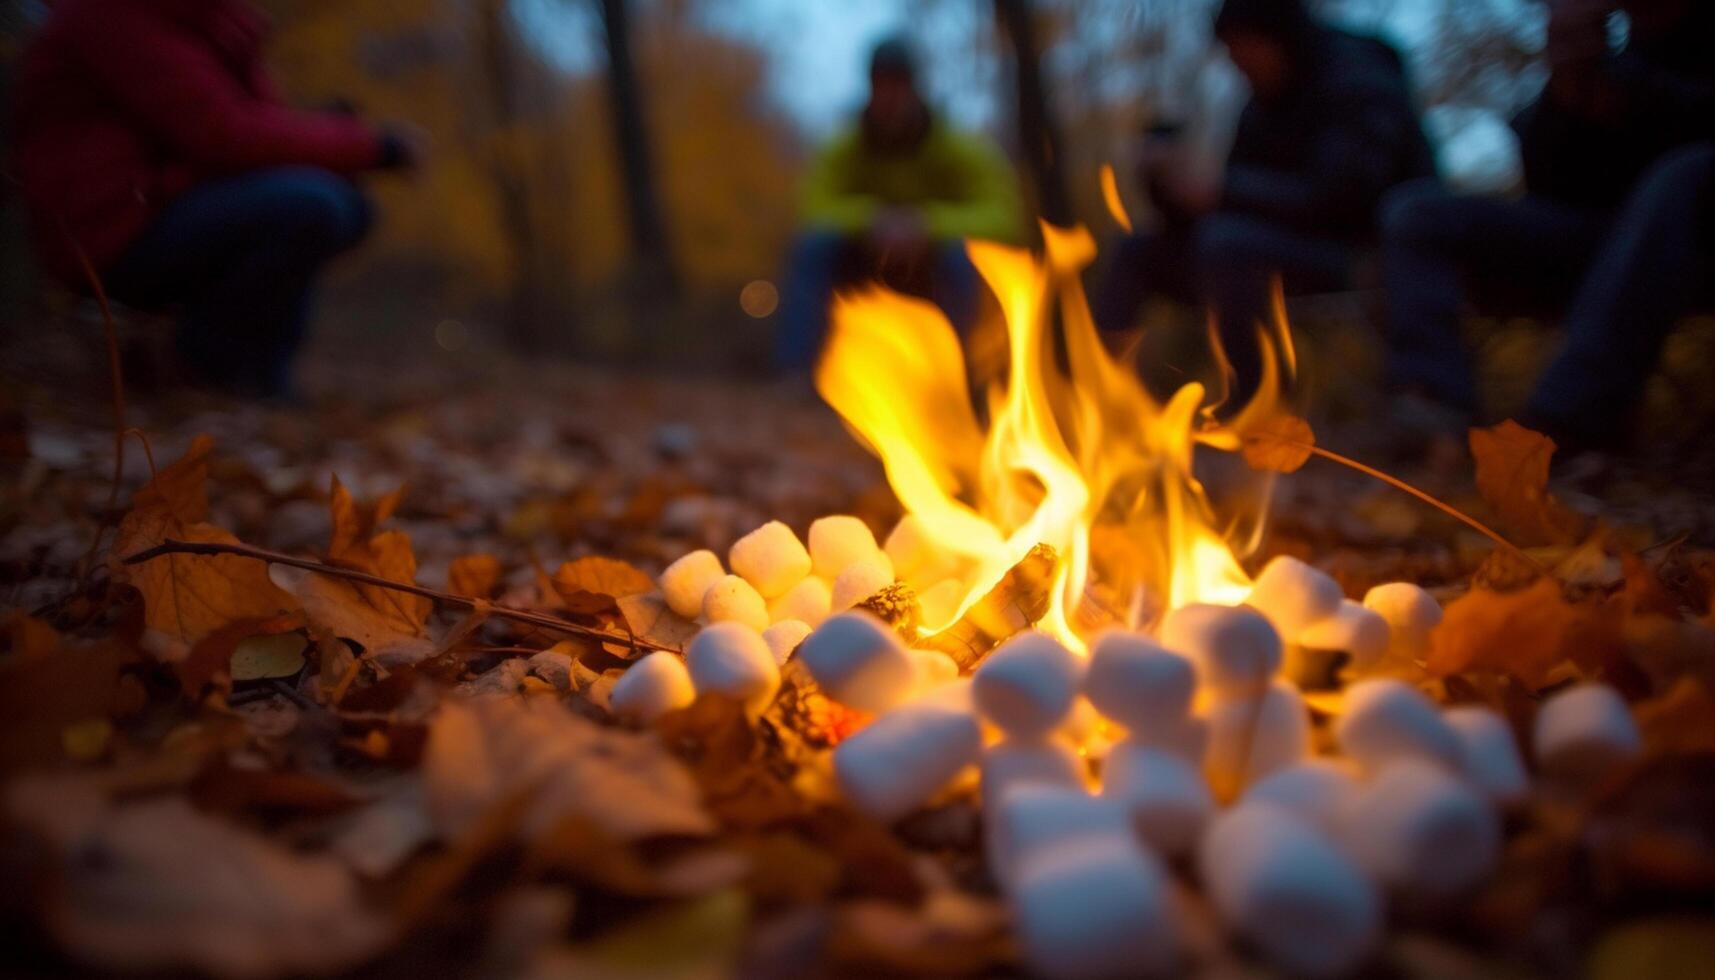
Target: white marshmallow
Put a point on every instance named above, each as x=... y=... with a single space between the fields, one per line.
x=899 y=761
x=908 y=546
x=1489 y=754
x=1167 y=797
x=939 y=603
x=1187 y=738
x=840 y=541
x=860 y=662
x=1385 y=719
x=1250 y=738
x=858 y=582
x=808 y=602
x=1281 y=884
x=1407 y=608
x=1293 y=595
x=733 y=600
x=1013 y=762
x=684 y=582
x=1233 y=648
x=651 y=687
x=1026 y=685
x=1030 y=816
x=934 y=668
x=1584 y=732
x=1353 y=629
x=1421 y=831
x=783 y=637
x=1137 y=683
x=733 y=659
x=771 y=558
x=1315 y=790
x=1096 y=906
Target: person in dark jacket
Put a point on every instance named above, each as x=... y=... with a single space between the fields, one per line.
x=1617 y=225
x=1329 y=128
x=156 y=154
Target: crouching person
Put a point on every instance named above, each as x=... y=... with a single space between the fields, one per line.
x=893 y=201
x=1615 y=227
x=1329 y=128
x=157 y=154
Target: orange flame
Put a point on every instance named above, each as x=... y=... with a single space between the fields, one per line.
x=1076 y=453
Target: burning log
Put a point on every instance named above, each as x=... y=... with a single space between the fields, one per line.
x=1016 y=602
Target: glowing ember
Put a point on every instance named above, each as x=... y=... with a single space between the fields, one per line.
x=1076 y=454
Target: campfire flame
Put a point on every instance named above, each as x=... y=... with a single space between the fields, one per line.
x=1077 y=454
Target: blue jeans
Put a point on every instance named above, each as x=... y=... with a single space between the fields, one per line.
x=1228 y=261
x=238 y=256
x=1623 y=279
x=823 y=261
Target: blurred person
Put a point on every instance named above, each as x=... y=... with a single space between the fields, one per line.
x=156 y=153
x=1329 y=127
x=1614 y=228
x=893 y=200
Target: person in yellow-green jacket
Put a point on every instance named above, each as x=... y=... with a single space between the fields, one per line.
x=892 y=201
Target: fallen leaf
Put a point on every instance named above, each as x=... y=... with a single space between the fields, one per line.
x=356 y=544
x=1679 y=721
x=696 y=940
x=263 y=656
x=387 y=633
x=28 y=638
x=187 y=597
x=483 y=749
x=594 y=576
x=649 y=618
x=1528 y=633
x=474 y=575
x=42 y=697
x=1512 y=475
x=1280 y=443
x=177 y=890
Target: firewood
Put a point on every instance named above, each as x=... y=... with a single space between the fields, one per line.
x=1018 y=600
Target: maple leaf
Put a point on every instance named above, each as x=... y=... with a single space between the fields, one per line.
x=1528 y=633
x=1280 y=443
x=600 y=576
x=1512 y=475
x=392 y=625
x=188 y=597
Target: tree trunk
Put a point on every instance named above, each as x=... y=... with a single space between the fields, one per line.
x=1038 y=133
x=656 y=277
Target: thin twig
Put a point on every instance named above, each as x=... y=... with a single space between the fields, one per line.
x=543 y=620
x=116 y=375
x=1448 y=509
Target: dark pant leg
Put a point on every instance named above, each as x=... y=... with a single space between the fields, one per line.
x=1237 y=259
x=240 y=256
x=956 y=286
x=811 y=271
x=1646 y=275
x=1151 y=263
x=1525 y=253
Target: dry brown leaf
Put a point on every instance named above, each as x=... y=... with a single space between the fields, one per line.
x=1278 y=444
x=28 y=638
x=609 y=579
x=42 y=696
x=343 y=609
x=474 y=575
x=1528 y=633
x=1512 y=475
x=483 y=749
x=176 y=890
x=356 y=544
x=188 y=597
x=649 y=619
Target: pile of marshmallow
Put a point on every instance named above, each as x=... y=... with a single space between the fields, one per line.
x=778 y=591
x=1096 y=773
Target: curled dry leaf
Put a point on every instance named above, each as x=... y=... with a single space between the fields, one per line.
x=188 y=597
x=177 y=890
x=593 y=584
x=1278 y=444
x=1512 y=475
x=482 y=749
x=1528 y=633
x=649 y=619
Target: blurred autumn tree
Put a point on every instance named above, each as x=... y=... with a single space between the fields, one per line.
x=538 y=207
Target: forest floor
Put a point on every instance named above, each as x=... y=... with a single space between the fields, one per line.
x=228 y=787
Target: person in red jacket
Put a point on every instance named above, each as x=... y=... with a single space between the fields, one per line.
x=156 y=152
